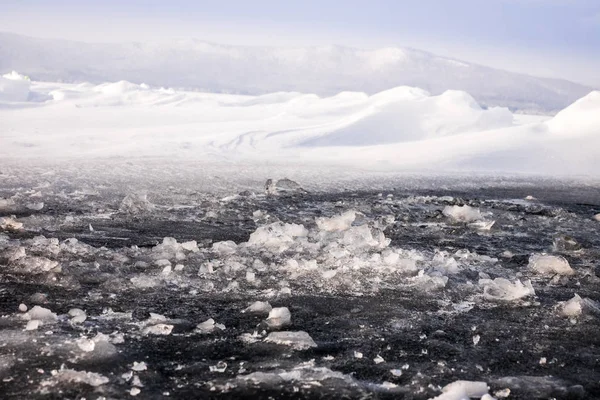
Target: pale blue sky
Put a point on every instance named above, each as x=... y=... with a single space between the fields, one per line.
x=556 y=38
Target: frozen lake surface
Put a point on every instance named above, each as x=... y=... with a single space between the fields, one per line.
x=133 y=279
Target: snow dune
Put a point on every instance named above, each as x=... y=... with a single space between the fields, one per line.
x=404 y=127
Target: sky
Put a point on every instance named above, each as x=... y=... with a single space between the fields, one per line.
x=550 y=38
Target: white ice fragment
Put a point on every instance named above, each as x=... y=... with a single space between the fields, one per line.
x=476 y=339
x=220 y=367
x=482 y=225
x=358 y=354
x=85 y=344
x=40 y=313
x=329 y=273
x=463 y=390
x=139 y=366
x=378 y=359
x=22 y=307
x=572 y=308
x=279 y=317
x=8 y=223
x=299 y=340
x=90 y=227
x=276 y=236
x=136 y=381
x=501 y=289
x=166 y=270
x=258 y=307
x=191 y=245
x=136 y=203
x=158 y=329
x=77 y=315
x=135 y=391
x=250 y=276
x=224 y=248
x=208 y=326
x=179 y=267
x=462 y=213
x=530 y=198
x=388 y=385
x=597 y=217
x=73 y=376
x=163 y=263
x=338 y=223
x=396 y=372
x=34 y=206
x=32 y=325
x=487 y=397
x=549 y=265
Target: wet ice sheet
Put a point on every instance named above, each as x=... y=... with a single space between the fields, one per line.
x=385 y=275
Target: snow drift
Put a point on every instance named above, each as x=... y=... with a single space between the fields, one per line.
x=400 y=128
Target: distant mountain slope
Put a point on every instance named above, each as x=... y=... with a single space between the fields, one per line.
x=325 y=70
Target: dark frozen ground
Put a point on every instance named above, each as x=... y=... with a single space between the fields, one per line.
x=416 y=330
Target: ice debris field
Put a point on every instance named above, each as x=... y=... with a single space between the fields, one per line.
x=400 y=128
x=489 y=290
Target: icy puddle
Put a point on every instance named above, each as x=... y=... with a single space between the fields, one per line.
x=280 y=292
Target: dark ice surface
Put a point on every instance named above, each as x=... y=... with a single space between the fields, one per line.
x=426 y=334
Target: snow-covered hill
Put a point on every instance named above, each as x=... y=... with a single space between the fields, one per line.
x=326 y=71
x=400 y=128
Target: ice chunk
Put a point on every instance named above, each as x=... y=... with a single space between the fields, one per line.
x=139 y=366
x=277 y=236
x=224 y=248
x=258 y=307
x=208 y=326
x=279 y=317
x=284 y=185
x=40 y=313
x=158 y=329
x=463 y=390
x=220 y=367
x=85 y=344
x=378 y=359
x=136 y=203
x=501 y=289
x=32 y=325
x=135 y=391
x=337 y=223
x=597 y=217
x=35 y=206
x=70 y=375
x=10 y=224
x=77 y=315
x=299 y=340
x=572 y=308
x=22 y=307
x=549 y=265
x=462 y=213
x=34 y=265
x=577 y=306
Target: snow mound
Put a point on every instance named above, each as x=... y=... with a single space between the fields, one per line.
x=14 y=87
x=581 y=118
x=408 y=114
